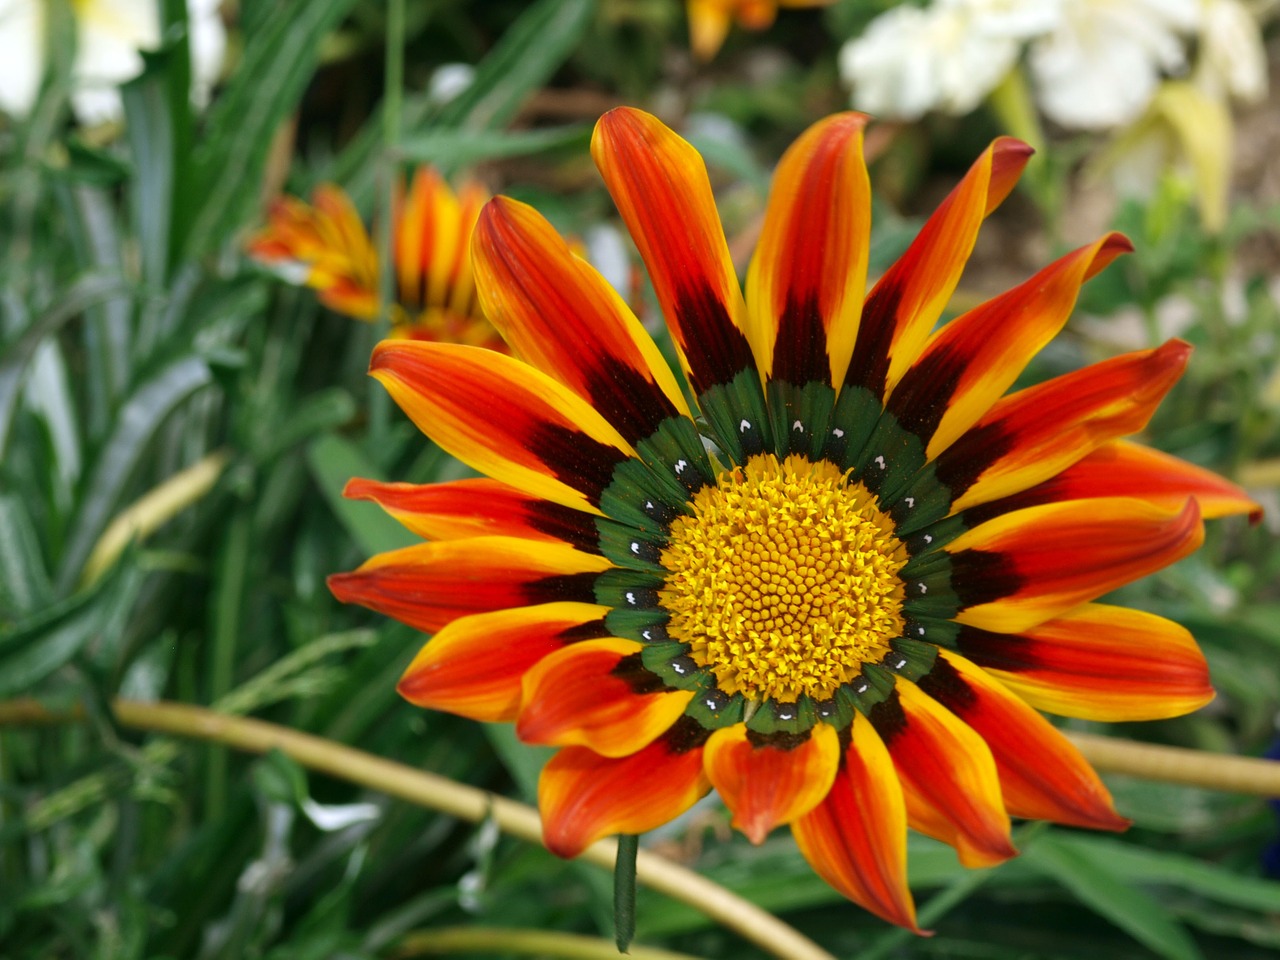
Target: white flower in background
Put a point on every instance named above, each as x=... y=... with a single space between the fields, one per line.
x=1102 y=63
x=208 y=39
x=1094 y=63
x=21 y=54
x=1232 y=60
x=945 y=57
x=109 y=36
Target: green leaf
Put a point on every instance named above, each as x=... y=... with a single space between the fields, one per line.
x=321 y=411
x=532 y=49
x=40 y=645
x=1090 y=875
x=460 y=148
x=24 y=582
x=135 y=427
x=160 y=128
x=1142 y=865
x=90 y=289
x=94 y=229
x=333 y=462
x=279 y=59
x=525 y=57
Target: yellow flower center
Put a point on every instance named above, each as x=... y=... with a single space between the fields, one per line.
x=784 y=580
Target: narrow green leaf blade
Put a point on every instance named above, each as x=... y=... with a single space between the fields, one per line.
x=135 y=427
x=333 y=462
x=460 y=148
x=40 y=645
x=279 y=59
x=1093 y=881
x=531 y=50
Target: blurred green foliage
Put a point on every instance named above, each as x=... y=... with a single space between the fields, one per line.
x=136 y=339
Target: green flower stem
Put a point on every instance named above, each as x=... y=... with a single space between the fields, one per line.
x=1192 y=768
x=392 y=110
x=535 y=943
x=624 y=892
x=437 y=793
x=232 y=574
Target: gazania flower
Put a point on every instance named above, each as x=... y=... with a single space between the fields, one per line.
x=709 y=19
x=838 y=588
x=325 y=245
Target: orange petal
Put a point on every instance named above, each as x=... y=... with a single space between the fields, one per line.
x=1124 y=469
x=584 y=796
x=477 y=508
x=1033 y=434
x=430 y=584
x=432 y=242
x=474 y=666
x=767 y=783
x=1023 y=568
x=560 y=315
x=972 y=361
x=595 y=694
x=1042 y=775
x=1098 y=662
x=948 y=776
x=660 y=185
x=708 y=26
x=504 y=418
x=807 y=279
x=325 y=245
x=856 y=839
x=908 y=300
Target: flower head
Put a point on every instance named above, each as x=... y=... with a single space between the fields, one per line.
x=325 y=245
x=836 y=589
x=709 y=20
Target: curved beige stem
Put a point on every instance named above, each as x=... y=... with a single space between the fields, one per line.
x=442 y=941
x=1192 y=768
x=439 y=793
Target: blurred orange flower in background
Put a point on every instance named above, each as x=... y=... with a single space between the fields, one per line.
x=325 y=245
x=709 y=19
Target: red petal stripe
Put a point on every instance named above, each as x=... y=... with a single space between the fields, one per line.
x=768 y=784
x=1033 y=434
x=476 y=508
x=1042 y=776
x=474 y=666
x=430 y=584
x=1023 y=568
x=1124 y=469
x=559 y=314
x=584 y=796
x=504 y=418
x=948 y=776
x=903 y=307
x=974 y=359
x=1098 y=662
x=856 y=839
x=806 y=283
x=594 y=694
x=661 y=188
